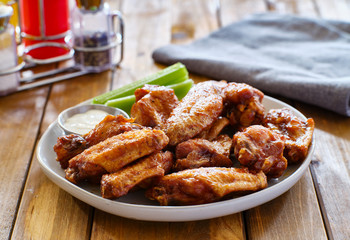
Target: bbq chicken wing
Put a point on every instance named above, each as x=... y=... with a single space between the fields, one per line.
x=197 y=111
x=153 y=105
x=195 y=153
x=260 y=149
x=71 y=145
x=243 y=104
x=114 y=153
x=117 y=184
x=204 y=185
x=68 y=147
x=213 y=131
x=298 y=132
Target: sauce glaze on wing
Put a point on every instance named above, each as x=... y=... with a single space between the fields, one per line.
x=71 y=145
x=204 y=185
x=243 y=104
x=199 y=109
x=114 y=153
x=298 y=133
x=260 y=149
x=153 y=105
x=115 y=185
x=197 y=152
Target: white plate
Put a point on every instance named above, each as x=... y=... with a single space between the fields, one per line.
x=136 y=206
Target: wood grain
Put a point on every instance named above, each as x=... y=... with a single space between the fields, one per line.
x=20 y=117
x=330 y=166
x=234 y=10
x=44 y=203
x=330 y=169
x=273 y=220
x=33 y=207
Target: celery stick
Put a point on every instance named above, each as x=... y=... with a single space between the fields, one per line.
x=125 y=103
x=175 y=73
x=181 y=89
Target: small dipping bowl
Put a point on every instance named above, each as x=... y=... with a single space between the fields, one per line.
x=82 y=109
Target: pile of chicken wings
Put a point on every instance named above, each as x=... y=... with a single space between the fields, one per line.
x=216 y=143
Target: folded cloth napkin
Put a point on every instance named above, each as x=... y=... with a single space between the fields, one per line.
x=299 y=58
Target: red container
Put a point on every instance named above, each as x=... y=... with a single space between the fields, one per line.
x=44 y=22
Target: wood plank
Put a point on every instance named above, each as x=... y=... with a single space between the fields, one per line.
x=234 y=10
x=294 y=215
x=330 y=169
x=43 y=203
x=277 y=219
x=20 y=117
x=192 y=20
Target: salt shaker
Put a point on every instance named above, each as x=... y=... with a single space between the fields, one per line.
x=95 y=39
x=9 y=75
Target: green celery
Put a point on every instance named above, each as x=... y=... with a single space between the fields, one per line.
x=181 y=89
x=125 y=103
x=175 y=73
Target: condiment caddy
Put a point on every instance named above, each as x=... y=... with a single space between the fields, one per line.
x=92 y=41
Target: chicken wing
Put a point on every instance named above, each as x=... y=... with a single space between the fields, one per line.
x=68 y=147
x=195 y=153
x=71 y=145
x=214 y=130
x=260 y=149
x=298 y=132
x=114 y=153
x=117 y=184
x=204 y=185
x=153 y=105
x=243 y=104
x=199 y=109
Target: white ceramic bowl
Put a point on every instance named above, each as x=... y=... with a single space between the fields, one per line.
x=69 y=112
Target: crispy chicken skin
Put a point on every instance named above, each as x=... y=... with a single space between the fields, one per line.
x=198 y=110
x=69 y=146
x=214 y=130
x=153 y=105
x=197 y=152
x=260 y=149
x=110 y=126
x=117 y=184
x=298 y=132
x=204 y=185
x=114 y=153
x=243 y=104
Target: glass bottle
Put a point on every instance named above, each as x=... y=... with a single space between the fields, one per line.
x=95 y=38
x=9 y=75
x=44 y=29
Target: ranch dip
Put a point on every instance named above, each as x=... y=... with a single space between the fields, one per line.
x=82 y=123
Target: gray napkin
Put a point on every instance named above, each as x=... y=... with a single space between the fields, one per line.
x=299 y=58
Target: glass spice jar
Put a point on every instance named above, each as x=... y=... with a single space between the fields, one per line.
x=95 y=38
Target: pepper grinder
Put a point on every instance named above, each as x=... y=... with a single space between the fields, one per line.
x=95 y=39
x=9 y=75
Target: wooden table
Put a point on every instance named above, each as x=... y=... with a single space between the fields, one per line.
x=33 y=207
